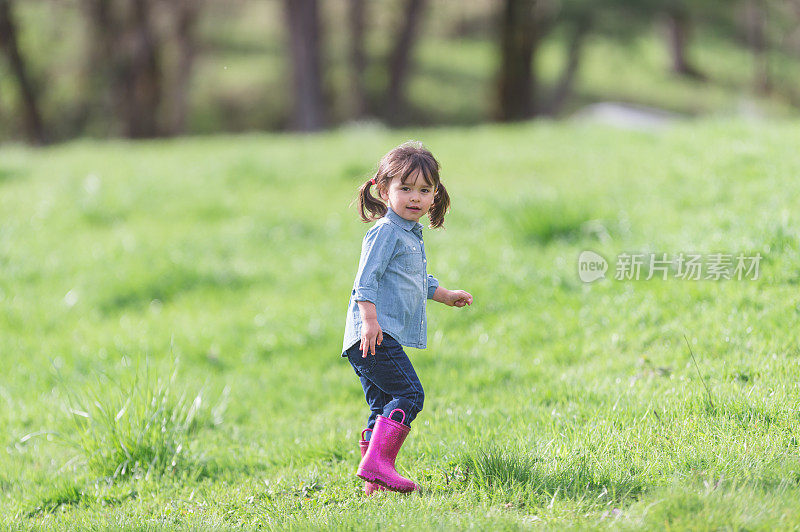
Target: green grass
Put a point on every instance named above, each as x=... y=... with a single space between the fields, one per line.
x=142 y=428
x=549 y=401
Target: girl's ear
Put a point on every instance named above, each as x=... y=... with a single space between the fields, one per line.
x=383 y=194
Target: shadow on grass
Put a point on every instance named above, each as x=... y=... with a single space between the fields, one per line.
x=328 y=449
x=742 y=411
x=64 y=494
x=168 y=284
x=9 y=174
x=542 y=221
x=356 y=171
x=780 y=258
x=496 y=469
x=230 y=469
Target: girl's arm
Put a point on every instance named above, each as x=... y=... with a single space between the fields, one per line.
x=376 y=252
x=452 y=298
x=371 y=332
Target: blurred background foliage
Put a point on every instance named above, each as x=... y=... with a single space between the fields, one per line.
x=153 y=68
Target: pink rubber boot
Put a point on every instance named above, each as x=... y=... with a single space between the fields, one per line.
x=369 y=487
x=377 y=466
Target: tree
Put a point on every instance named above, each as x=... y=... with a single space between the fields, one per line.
x=358 y=58
x=563 y=87
x=143 y=77
x=185 y=13
x=400 y=62
x=129 y=45
x=519 y=35
x=32 y=117
x=127 y=49
x=755 y=20
x=302 y=18
x=523 y=26
x=678 y=30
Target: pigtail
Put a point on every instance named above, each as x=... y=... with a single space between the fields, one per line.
x=369 y=203
x=441 y=204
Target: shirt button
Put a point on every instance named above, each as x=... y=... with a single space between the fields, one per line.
x=424 y=260
x=420 y=241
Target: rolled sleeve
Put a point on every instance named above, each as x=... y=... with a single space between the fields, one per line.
x=433 y=284
x=376 y=251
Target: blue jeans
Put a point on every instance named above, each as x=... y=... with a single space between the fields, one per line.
x=389 y=380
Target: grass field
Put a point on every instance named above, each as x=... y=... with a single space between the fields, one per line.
x=171 y=316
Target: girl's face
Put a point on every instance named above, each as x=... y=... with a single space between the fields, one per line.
x=412 y=199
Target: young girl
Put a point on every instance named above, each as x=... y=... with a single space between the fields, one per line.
x=387 y=304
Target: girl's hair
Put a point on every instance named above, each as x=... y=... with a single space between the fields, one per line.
x=403 y=161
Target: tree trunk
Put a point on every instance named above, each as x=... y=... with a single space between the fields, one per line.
x=678 y=27
x=186 y=14
x=127 y=48
x=755 y=20
x=32 y=118
x=515 y=80
x=563 y=88
x=358 y=58
x=102 y=68
x=143 y=91
x=400 y=62
x=302 y=18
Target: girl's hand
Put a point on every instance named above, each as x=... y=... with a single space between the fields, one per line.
x=458 y=298
x=371 y=335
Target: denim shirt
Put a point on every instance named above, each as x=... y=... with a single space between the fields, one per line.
x=392 y=275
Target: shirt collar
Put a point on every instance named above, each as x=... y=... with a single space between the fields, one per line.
x=408 y=225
